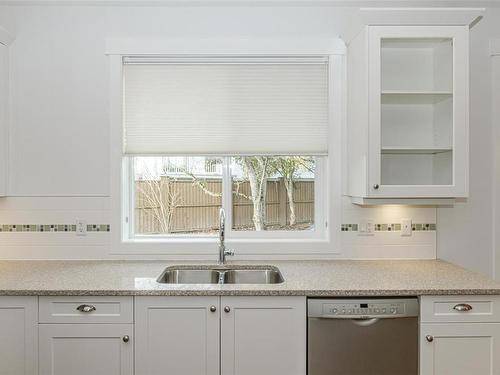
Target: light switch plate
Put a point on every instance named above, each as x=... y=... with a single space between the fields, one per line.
x=406 y=230
x=366 y=228
x=81 y=227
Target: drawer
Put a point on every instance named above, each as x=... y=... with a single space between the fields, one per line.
x=86 y=309
x=458 y=309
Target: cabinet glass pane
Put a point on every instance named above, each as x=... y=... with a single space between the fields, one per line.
x=417 y=111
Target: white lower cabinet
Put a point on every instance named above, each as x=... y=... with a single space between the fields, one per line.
x=83 y=349
x=460 y=349
x=198 y=335
x=258 y=335
x=18 y=332
x=460 y=335
x=263 y=335
x=177 y=335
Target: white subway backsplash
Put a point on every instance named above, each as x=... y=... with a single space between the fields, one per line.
x=45 y=229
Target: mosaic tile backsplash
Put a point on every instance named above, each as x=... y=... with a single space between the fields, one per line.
x=106 y=227
x=389 y=227
x=51 y=228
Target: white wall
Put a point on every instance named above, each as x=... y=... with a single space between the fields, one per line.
x=59 y=137
x=465 y=233
x=495 y=50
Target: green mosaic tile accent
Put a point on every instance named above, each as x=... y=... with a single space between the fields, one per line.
x=349 y=227
x=395 y=227
x=51 y=228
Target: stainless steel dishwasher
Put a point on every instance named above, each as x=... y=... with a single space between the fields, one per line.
x=363 y=336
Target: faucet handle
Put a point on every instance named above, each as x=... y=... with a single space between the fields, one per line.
x=229 y=252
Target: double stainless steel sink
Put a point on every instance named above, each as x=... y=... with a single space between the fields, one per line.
x=220 y=275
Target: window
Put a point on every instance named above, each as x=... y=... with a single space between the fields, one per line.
x=183 y=195
x=273 y=193
x=245 y=134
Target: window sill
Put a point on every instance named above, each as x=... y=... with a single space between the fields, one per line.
x=184 y=248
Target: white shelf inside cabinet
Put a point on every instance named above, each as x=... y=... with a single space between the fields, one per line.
x=412 y=150
x=415 y=97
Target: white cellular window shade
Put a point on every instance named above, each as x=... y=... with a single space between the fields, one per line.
x=225 y=106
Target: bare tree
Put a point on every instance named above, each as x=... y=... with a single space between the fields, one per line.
x=288 y=167
x=256 y=169
x=201 y=183
x=160 y=197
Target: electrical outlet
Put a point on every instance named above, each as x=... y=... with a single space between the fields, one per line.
x=81 y=227
x=366 y=228
x=406 y=227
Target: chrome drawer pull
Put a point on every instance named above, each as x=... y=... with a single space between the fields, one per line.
x=462 y=307
x=86 y=308
x=429 y=338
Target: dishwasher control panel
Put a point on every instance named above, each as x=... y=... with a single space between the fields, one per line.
x=363 y=308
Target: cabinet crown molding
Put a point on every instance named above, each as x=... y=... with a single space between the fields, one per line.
x=422 y=16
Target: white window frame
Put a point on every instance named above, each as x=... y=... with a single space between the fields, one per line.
x=320 y=223
x=261 y=245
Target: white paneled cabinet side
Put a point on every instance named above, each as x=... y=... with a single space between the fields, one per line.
x=4 y=106
x=408 y=114
x=18 y=335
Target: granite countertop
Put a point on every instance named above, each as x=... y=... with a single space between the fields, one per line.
x=304 y=278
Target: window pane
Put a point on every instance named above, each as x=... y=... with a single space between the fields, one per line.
x=273 y=193
x=177 y=195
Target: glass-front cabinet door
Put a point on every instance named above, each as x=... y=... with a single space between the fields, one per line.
x=418 y=111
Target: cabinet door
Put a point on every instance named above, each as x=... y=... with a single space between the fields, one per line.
x=177 y=335
x=263 y=335
x=18 y=332
x=83 y=349
x=418 y=111
x=460 y=349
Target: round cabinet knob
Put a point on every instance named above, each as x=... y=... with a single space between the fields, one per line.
x=429 y=338
x=126 y=338
x=227 y=309
x=213 y=308
x=376 y=186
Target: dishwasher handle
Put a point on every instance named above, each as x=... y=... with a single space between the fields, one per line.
x=365 y=322
x=362 y=322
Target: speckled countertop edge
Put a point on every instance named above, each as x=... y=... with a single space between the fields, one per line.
x=311 y=294
x=331 y=278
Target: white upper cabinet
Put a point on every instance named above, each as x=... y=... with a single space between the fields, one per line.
x=408 y=113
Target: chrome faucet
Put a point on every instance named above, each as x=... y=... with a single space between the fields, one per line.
x=223 y=252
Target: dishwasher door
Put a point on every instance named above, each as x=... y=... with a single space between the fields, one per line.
x=363 y=344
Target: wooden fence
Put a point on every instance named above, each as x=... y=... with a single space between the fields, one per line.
x=197 y=211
